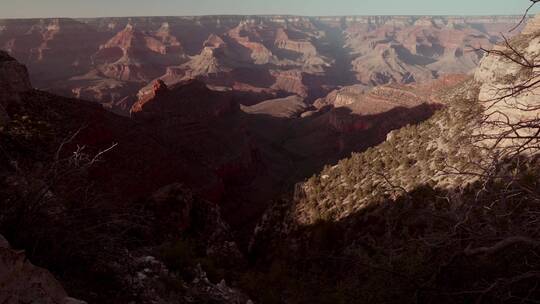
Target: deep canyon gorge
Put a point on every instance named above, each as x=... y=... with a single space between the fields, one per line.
x=267 y=159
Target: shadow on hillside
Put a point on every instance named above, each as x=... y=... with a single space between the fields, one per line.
x=238 y=160
x=149 y=156
x=294 y=149
x=419 y=248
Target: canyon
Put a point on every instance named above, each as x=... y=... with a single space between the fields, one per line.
x=215 y=159
x=114 y=61
x=241 y=108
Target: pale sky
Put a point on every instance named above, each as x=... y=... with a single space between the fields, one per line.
x=102 y=8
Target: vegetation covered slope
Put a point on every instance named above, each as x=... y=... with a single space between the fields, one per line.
x=429 y=216
x=415 y=155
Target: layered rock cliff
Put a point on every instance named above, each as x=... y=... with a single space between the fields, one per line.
x=110 y=59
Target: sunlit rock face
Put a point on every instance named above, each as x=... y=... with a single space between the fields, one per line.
x=341 y=97
x=532 y=26
x=501 y=77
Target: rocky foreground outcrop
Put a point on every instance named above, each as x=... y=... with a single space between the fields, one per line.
x=22 y=282
x=509 y=91
x=14 y=80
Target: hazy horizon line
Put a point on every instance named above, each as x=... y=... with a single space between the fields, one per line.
x=268 y=15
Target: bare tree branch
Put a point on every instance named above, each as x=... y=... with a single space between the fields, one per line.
x=524 y=15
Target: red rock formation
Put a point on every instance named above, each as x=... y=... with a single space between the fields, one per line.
x=258 y=52
x=418 y=51
x=54 y=48
x=169 y=43
x=192 y=100
x=214 y=41
x=133 y=55
x=290 y=81
x=132 y=41
x=303 y=47
x=385 y=99
x=108 y=60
